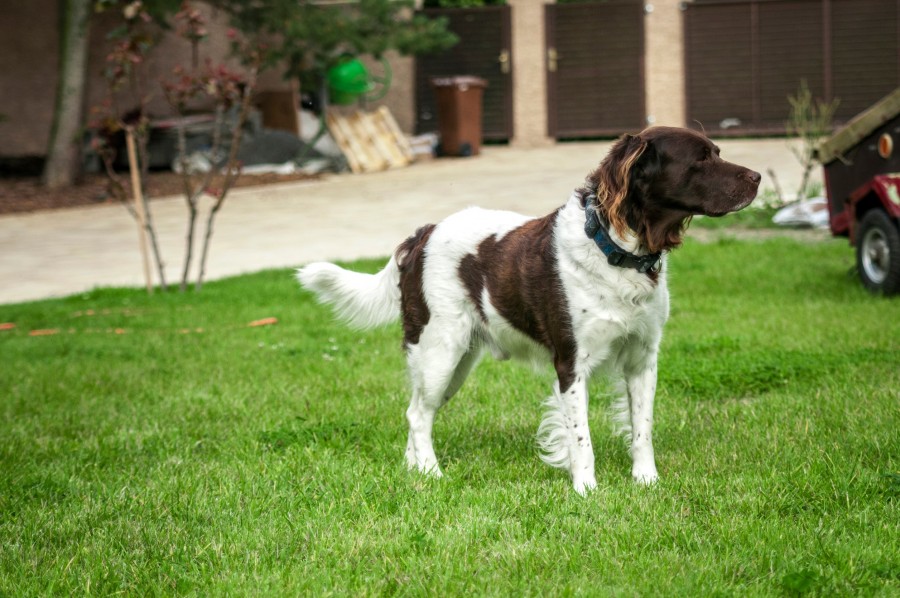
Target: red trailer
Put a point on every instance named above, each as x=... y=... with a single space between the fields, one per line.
x=862 y=180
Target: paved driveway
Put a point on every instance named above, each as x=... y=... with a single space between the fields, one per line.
x=345 y=216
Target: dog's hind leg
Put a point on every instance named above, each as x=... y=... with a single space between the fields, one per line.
x=469 y=360
x=437 y=368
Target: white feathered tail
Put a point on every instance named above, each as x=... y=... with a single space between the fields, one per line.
x=361 y=300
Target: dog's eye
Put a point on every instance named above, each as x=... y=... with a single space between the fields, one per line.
x=708 y=153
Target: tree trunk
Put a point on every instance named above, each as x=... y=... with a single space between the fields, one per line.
x=63 y=153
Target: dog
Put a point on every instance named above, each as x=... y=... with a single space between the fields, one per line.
x=583 y=287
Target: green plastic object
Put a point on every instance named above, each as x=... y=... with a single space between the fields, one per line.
x=348 y=80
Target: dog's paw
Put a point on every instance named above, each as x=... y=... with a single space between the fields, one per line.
x=645 y=476
x=584 y=484
x=430 y=470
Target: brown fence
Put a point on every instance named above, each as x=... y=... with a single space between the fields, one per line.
x=744 y=57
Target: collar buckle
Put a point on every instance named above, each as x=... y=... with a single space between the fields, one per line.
x=615 y=257
x=647 y=265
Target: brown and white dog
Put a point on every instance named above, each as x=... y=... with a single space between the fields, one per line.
x=584 y=287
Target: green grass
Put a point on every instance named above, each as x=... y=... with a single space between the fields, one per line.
x=752 y=218
x=268 y=460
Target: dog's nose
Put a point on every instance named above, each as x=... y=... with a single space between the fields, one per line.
x=754 y=177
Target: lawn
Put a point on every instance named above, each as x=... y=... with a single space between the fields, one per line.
x=161 y=446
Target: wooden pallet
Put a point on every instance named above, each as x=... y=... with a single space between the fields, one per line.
x=371 y=141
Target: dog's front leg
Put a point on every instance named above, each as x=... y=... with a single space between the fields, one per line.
x=564 y=435
x=641 y=385
x=582 y=451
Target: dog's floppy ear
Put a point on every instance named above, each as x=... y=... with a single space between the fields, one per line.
x=613 y=179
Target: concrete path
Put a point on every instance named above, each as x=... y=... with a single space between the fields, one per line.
x=56 y=253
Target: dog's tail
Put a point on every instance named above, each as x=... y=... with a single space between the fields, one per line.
x=361 y=300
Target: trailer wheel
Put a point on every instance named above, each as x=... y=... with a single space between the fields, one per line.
x=878 y=253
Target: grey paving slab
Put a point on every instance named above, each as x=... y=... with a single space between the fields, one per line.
x=341 y=217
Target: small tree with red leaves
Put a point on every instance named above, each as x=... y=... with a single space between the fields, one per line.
x=226 y=89
x=199 y=85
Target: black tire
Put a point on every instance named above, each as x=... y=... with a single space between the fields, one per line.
x=878 y=252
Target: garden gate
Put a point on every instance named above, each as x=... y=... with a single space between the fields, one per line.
x=595 y=68
x=744 y=57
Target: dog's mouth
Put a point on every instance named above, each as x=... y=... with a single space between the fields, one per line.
x=731 y=207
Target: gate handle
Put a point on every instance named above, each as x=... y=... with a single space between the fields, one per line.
x=551 y=59
x=504 y=62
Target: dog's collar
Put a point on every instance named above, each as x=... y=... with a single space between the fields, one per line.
x=596 y=228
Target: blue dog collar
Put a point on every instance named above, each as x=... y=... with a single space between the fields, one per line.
x=597 y=229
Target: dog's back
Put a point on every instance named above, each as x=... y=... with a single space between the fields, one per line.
x=405 y=286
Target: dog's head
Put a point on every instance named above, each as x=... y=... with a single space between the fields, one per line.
x=654 y=182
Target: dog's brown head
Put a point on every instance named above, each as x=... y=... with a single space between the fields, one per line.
x=654 y=182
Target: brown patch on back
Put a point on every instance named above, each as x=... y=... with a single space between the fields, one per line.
x=411 y=258
x=521 y=275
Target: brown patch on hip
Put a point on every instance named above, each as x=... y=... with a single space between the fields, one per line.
x=410 y=257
